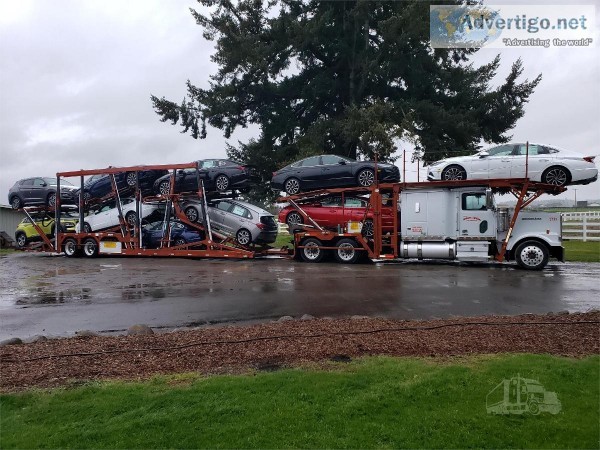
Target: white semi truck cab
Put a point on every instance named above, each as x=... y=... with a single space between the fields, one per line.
x=451 y=220
x=465 y=224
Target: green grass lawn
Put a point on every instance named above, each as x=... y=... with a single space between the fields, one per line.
x=6 y=251
x=582 y=251
x=378 y=402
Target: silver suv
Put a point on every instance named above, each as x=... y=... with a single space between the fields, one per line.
x=246 y=222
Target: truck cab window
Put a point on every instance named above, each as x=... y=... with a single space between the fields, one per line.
x=473 y=202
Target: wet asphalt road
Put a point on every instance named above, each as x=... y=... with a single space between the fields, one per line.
x=56 y=296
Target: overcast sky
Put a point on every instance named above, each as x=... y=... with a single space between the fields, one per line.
x=76 y=79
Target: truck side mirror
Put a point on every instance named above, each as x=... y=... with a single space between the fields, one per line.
x=489 y=199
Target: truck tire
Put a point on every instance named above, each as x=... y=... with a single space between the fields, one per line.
x=311 y=251
x=346 y=252
x=531 y=255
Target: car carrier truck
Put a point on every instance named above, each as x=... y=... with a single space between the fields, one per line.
x=455 y=220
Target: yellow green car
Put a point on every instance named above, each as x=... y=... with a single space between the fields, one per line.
x=26 y=232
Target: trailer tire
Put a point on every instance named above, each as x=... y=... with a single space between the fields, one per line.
x=311 y=251
x=21 y=239
x=346 y=252
x=70 y=248
x=90 y=248
x=532 y=255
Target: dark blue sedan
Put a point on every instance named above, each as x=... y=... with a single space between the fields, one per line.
x=331 y=171
x=180 y=234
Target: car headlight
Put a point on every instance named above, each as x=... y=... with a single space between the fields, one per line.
x=69 y=224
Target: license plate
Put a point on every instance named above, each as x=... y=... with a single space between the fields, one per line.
x=110 y=244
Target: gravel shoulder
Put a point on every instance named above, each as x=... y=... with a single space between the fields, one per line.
x=234 y=349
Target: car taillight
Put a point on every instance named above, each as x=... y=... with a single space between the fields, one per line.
x=274 y=173
x=261 y=226
x=589 y=159
x=242 y=168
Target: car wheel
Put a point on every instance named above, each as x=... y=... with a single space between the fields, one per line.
x=15 y=202
x=51 y=200
x=70 y=247
x=192 y=214
x=180 y=241
x=222 y=183
x=86 y=197
x=131 y=179
x=532 y=255
x=90 y=248
x=243 y=237
x=294 y=218
x=368 y=229
x=558 y=176
x=311 y=251
x=366 y=177
x=87 y=228
x=292 y=186
x=131 y=218
x=164 y=187
x=453 y=173
x=21 y=239
x=346 y=252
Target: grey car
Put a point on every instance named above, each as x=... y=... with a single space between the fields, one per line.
x=40 y=191
x=246 y=222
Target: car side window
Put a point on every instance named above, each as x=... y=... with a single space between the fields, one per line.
x=241 y=211
x=224 y=206
x=330 y=159
x=473 y=202
x=38 y=182
x=353 y=203
x=333 y=201
x=208 y=164
x=501 y=150
x=312 y=161
x=27 y=182
x=533 y=150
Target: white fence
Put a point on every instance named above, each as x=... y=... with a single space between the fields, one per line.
x=581 y=226
x=282 y=228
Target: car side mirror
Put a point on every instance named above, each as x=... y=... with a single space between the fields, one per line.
x=44 y=184
x=484 y=154
x=342 y=162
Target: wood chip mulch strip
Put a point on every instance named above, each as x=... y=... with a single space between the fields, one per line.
x=231 y=349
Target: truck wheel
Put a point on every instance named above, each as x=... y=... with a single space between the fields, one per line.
x=532 y=255
x=346 y=252
x=311 y=251
x=70 y=247
x=90 y=248
x=533 y=407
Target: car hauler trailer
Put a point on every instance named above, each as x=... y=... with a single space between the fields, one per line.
x=127 y=238
x=450 y=220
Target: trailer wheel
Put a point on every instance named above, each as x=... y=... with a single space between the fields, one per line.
x=346 y=252
x=70 y=247
x=21 y=239
x=90 y=247
x=532 y=255
x=311 y=251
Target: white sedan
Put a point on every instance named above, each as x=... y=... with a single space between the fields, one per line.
x=107 y=216
x=547 y=164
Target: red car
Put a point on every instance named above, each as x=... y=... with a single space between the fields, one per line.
x=338 y=210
